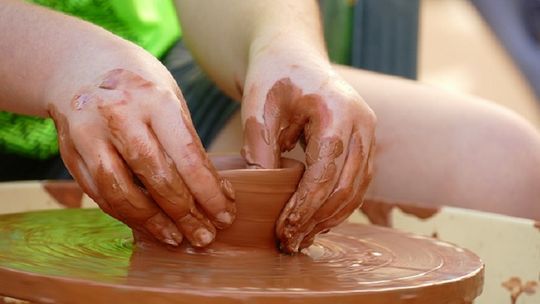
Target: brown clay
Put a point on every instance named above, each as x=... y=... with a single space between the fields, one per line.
x=83 y=256
x=260 y=195
x=351 y=264
x=378 y=211
x=147 y=170
x=66 y=193
x=338 y=157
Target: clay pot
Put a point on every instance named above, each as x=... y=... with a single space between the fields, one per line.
x=261 y=194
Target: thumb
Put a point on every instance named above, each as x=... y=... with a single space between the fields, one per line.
x=261 y=148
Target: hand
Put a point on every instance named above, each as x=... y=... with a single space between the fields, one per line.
x=291 y=95
x=129 y=142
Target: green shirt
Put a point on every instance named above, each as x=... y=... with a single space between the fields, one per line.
x=152 y=24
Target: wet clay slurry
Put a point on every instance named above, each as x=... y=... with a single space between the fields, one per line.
x=84 y=256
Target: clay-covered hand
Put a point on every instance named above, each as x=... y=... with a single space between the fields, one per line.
x=292 y=96
x=130 y=143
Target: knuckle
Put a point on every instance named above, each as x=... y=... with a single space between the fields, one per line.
x=210 y=198
x=190 y=162
x=80 y=129
x=137 y=150
x=167 y=94
x=112 y=103
x=114 y=115
x=370 y=117
x=161 y=184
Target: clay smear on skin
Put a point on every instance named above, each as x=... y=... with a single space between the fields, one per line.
x=284 y=123
x=342 y=268
x=378 y=211
x=130 y=153
x=67 y=193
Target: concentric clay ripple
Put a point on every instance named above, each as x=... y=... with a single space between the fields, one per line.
x=84 y=256
x=62 y=255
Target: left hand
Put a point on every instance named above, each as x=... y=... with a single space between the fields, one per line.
x=294 y=94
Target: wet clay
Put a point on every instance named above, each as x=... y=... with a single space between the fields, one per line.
x=378 y=211
x=84 y=256
x=338 y=157
x=143 y=167
x=260 y=195
x=537 y=225
x=66 y=193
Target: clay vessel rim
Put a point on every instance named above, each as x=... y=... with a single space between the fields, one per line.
x=289 y=166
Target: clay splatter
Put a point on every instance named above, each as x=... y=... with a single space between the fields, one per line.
x=67 y=193
x=517 y=288
x=378 y=211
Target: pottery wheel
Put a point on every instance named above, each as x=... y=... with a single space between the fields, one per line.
x=83 y=256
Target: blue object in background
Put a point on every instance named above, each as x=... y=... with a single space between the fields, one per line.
x=376 y=35
x=517 y=25
x=385 y=36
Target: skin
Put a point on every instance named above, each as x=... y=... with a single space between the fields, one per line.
x=123 y=125
x=272 y=57
x=118 y=113
x=142 y=161
x=337 y=129
x=435 y=148
x=290 y=93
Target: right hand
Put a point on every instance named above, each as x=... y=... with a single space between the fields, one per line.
x=130 y=144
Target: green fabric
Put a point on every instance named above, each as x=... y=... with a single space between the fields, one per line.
x=28 y=136
x=338 y=22
x=376 y=35
x=152 y=24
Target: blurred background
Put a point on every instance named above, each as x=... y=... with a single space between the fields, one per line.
x=459 y=50
x=487 y=48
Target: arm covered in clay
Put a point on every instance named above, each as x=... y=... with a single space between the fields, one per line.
x=122 y=123
x=271 y=55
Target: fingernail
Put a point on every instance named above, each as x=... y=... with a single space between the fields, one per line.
x=203 y=237
x=168 y=236
x=177 y=237
x=224 y=218
x=170 y=242
x=227 y=189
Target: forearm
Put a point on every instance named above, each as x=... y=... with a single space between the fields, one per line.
x=225 y=35
x=48 y=55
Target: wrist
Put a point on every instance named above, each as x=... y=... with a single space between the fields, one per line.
x=287 y=57
x=294 y=45
x=88 y=63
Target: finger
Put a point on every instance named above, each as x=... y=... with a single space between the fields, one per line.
x=270 y=123
x=73 y=161
x=175 y=133
x=128 y=202
x=338 y=218
x=354 y=172
x=157 y=172
x=324 y=164
x=345 y=201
